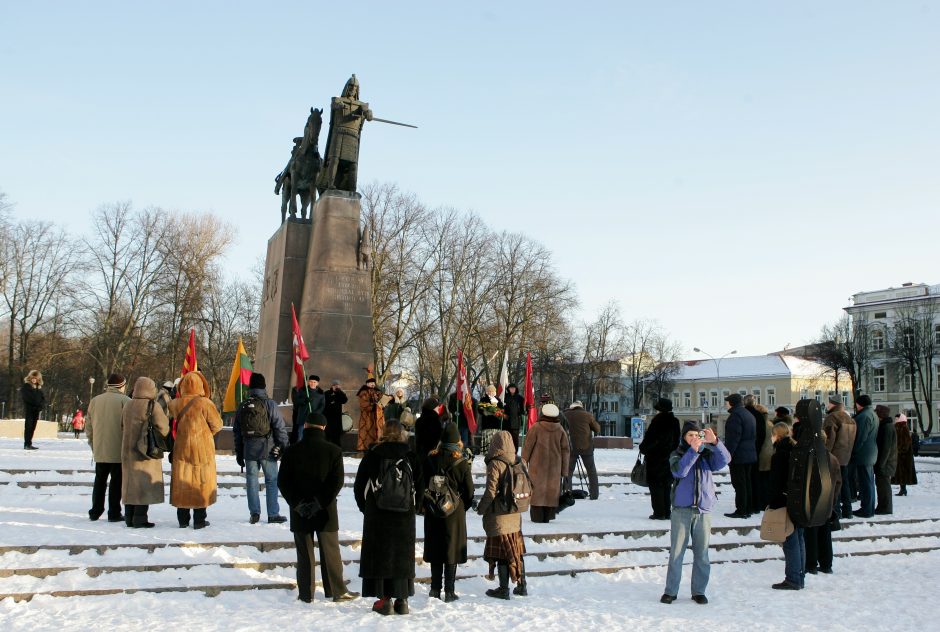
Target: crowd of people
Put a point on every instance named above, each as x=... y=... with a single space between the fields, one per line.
x=396 y=483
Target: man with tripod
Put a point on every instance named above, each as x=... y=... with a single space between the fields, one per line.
x=581 y=429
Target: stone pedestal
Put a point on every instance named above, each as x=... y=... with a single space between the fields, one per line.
x=316 y=266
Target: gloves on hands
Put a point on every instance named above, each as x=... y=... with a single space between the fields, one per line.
x=240 y=460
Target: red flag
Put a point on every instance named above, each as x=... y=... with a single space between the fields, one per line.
x=463 y=393
x=300 y=350
x=189 y=362
x=531 y=410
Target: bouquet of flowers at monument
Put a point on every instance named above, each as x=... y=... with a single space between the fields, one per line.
x=491 y=410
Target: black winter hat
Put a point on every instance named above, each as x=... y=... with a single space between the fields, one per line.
x=315 y=419
x=313 y=377
x=450 y=434
x=116 y=380
x=663 y=405
x=863 y=400
x=257 y=381
x=782 y=411
x=734 y=399
x=689 y=425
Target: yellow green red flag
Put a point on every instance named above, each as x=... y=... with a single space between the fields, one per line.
x=238 y=380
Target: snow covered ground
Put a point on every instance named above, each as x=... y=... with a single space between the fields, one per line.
x=48 y=545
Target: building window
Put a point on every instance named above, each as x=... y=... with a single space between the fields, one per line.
x=714 y=402
x=756 y=394
x=804 y=394
x=907 y=380
x=771 y=397
x=911 y=415
x=701 y=399
x=936 y=335
x=675 y=398
x=936 y=371
x=878 y=380
x=614 y=407
x=818 y=395
x=877 y=340
x=845 y=398
x=724 y=394
x=687 y=399
x=881 y=314
x=742 y=392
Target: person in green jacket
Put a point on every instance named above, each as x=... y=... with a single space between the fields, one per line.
x=864 y=455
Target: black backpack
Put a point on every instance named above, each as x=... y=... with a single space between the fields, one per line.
x=253 y=418
x=810 y=490
x=440 y=497
x=515 y=489
x=394 y=488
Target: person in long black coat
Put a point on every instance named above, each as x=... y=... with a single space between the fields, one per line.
x=33 y=402
x=445 y=539
x=387 y=556
x=306 y=401
x=758 y=478
x=334 y=398
x=312 y=470
x=428 y=428
x=660 y=440
x=887 y=463
x=514 y=407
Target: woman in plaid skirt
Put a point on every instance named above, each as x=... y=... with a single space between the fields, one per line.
x=504 y=544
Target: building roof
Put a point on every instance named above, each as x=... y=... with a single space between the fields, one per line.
x=772 y=365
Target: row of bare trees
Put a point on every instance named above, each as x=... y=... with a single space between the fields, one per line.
x=442 y=280
x=120 y=298
x=907 y=344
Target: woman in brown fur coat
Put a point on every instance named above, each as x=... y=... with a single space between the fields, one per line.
x=193 y=482
x=546 y=450
x=142 y=477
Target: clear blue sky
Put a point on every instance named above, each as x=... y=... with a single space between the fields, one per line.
x=735 y=170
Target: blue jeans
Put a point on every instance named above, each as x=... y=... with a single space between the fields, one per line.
x=686 y=523
x=866 y=487
x=269 y=466
x=794 y=553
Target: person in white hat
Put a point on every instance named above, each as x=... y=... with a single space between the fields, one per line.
x=546 y=450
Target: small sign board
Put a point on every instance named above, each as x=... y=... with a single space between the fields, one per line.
x=637 y=426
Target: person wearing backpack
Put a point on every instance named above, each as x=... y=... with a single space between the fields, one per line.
x=385 y=483
x=445 y=537
x=504 y=546
x=260 y=434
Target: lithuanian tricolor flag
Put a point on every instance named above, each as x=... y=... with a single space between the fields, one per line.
x=238 y=381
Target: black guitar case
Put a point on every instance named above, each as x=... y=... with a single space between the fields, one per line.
x=810 y=491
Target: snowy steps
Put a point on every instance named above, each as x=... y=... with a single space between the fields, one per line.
x=215 y=567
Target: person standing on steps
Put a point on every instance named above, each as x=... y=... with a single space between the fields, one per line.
x=658 y=443
x=142 y=477
x=740 y=438
x=104 y=435
x=33 y=402
x=905 y=474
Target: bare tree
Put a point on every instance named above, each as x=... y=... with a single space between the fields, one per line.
x=913 y=340
x=845 y=346
x=666 y=354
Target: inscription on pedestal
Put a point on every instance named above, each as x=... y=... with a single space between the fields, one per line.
x=347 y=292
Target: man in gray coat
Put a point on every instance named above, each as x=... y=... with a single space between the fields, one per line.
x=864 y=455
x=104 y=433
x=581 y=428
x=840 y=432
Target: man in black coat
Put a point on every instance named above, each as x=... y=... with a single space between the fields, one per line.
x=661 y=438
x=333 y=411
x=887 y=462
x=740 y=434
x=514 y=409
x=311 y=477
x=306 y=401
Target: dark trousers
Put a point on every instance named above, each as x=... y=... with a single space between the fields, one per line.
x=844 y=502
x=542 y=514
x=587 y=458
x=443 y=576
x=515 y=438
x=818 y=547
x=864 y=485
x=760 y=483
x=331 y=564
x=135 y=515
x=199 y=516
x=102 y=472
x=29 y=429
x=741 y=482
x=660 y=492
x=883 y=488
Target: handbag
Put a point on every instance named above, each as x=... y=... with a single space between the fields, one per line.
x=776 y=525
x=148 y=444
x=638 y=474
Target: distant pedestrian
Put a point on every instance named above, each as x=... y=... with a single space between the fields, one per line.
x=371 y=415
x=310 y=479
x=887 y=463
x=142 y=477
x=547 y=451
x=905 y=474
x=387 y=555
x=193 y=484
x=78 y=422
x=334 y=399
x=693 y=464
x=104 y=435
x=582 y=426
x=864 y=456
x=504 y=546
x=840 y=432
x=659 y=442
x=740 y=437
x=514 y=408
x=33 y=402
x=762 y=442
x=794 y=547
x=260 y=436
x=445 y=538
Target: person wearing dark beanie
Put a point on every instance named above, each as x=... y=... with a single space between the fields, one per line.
x=660 y=439
x=864 y=456
x=445 y=538
x=692 y=465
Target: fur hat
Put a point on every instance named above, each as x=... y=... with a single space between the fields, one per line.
x=315 y=419
x=450 y=433
x=663 y=405
x=257 y=381
x=116 y=380
x=782 y=411
x=882 y=411
x=335 y=383
x=835 y=399
x=863 y=400
x=512 y=385
x=550 y=410
x=370 y=379
x=576 y=404
x=313 y=377
x=734 y=399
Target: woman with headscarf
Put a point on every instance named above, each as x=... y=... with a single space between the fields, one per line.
x=142 y=477
x=905 y=474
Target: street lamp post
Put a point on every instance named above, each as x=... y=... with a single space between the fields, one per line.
x=91 y=386
x=717 y=368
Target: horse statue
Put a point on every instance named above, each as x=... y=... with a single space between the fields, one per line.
x=304 y=166
x=282 y=181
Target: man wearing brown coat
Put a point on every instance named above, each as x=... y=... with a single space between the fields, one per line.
x=840 y=432
x=582 y=425
x=104 y=433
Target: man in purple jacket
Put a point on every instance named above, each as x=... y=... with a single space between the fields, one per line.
x=699 y=454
